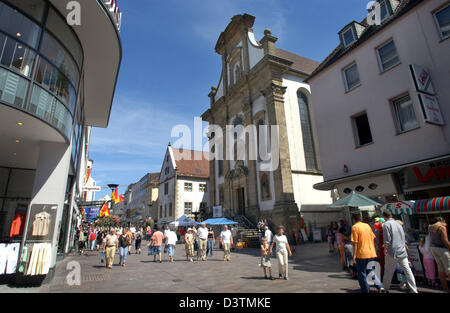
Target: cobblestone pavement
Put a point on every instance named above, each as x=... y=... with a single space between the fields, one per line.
x=311 y=270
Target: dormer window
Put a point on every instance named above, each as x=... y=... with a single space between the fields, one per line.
x=348 y=36
x=384 y=10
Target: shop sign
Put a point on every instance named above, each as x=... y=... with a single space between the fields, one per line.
x=114 y=11
x=430 y=109
x=422 y=79
x=427 y=174
x=317 y=235
x=217 y=211
x=92 y=188
x=414 y=257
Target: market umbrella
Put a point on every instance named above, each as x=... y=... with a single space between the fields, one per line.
x=354 y=200
x=183 y=221
x=219 y=221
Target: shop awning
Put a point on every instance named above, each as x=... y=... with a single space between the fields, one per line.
x=399 y=207
x=441 y=204
x=434 y=205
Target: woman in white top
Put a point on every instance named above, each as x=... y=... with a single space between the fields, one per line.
x=283 y=251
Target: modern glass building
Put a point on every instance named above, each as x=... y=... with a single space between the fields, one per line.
x=56 y=82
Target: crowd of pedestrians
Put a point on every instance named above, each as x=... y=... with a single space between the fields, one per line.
x=369 y=250
x=361 y=247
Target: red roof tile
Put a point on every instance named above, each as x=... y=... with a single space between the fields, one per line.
x=192 y=163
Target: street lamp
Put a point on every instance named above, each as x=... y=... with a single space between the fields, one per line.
x=112 y=187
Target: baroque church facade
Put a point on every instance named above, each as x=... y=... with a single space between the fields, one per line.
x=262 y=85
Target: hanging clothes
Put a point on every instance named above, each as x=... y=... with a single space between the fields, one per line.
x=3 y=257
x=13 y=257
x=17 y=225
x=41 y=224
x=23 y=259
x=39 y=263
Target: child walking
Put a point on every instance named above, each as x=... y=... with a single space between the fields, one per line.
x=265 y=258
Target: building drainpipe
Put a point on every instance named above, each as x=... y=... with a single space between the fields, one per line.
x=175 y=193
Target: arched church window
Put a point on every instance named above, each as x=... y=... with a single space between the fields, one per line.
x=308 y=141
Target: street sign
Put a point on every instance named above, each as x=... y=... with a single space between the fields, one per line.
x=92 y=188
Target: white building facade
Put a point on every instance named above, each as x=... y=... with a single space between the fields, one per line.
x=381 y=105
x=262 y=85
x=183 y=185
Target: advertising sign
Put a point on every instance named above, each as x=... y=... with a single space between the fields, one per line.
x=317 y=235
x=430 y=109
x=422 y=79
x=431 y=173
x=217 y=211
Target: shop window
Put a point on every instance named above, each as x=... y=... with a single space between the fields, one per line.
x=361 y=126
x=58 y=26
x=59 y=56
x=16 y=56
x=19 y=26
x=13 y=88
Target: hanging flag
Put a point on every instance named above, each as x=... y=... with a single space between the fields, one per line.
x=104 y=211
x=88 y=174
x=115 y=196
x=121 y=198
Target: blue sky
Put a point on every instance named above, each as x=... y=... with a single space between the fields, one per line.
x=169 y=65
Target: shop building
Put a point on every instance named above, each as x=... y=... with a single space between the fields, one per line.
x=381 y=104
x=56 y=82
x=263 y=85
x=183 y=185
x=140 y=199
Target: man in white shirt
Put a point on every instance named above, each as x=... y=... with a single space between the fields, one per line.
x=202 y=234
x=171 y=239
x=227 y=240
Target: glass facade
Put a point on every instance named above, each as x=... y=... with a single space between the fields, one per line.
x=41 y=63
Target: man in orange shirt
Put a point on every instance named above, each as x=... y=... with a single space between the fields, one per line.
x=364 y=253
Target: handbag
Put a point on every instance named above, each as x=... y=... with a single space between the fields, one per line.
x=102 y=257
x=166 y=248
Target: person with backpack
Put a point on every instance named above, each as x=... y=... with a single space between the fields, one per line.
x=138 y=240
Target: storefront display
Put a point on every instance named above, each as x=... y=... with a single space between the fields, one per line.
x=9 y=254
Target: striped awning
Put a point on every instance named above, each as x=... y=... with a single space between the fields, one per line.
x=434 y=205
x=441 y=204
x=399 y=207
